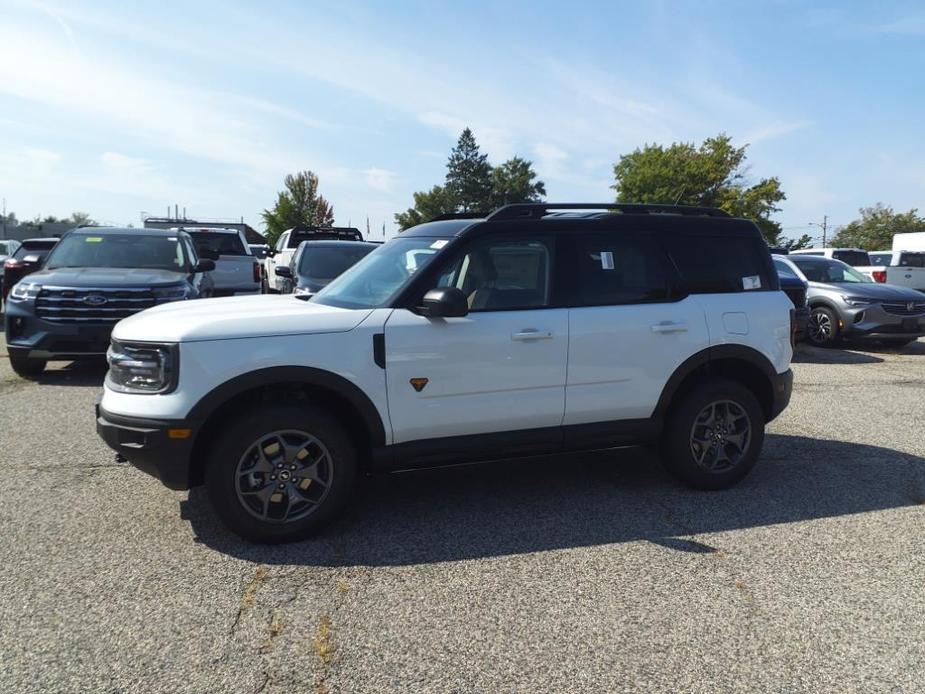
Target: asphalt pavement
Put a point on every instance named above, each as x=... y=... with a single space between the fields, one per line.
x=585 y=573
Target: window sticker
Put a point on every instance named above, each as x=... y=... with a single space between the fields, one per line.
x=93 y=239
x=606 y=260
x=439 y=243
x=751 y=282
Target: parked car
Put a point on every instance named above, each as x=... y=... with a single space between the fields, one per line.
x=236 y=271
x=8 y=247
x=316 y=263
x=93 y=278
x=281 y=254
x=26 y=259
x=463 y=340
x=899 y=270
x=796 y=290
x=845 y=304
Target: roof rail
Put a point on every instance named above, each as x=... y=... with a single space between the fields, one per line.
x=457 y=215
x=538 y=210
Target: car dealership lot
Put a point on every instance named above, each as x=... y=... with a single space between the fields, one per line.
x=582 y=573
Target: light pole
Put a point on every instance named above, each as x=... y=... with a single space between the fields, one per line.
x=824 y=226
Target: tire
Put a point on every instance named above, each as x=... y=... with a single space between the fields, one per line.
x=822 y=329
x=249 y=501
x=697 y=465
x=26 y=367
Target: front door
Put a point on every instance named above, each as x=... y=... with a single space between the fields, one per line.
x=500 y=368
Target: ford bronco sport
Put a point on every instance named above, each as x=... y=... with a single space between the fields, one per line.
x=542 y=328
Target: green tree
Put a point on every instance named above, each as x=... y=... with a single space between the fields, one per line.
x=711 y=175
x=514 y=181
x=473 y=185
x=876 y=226
x=299 y=204
x=427 y=205
x=468 y=175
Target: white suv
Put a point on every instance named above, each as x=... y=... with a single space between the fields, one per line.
x=535 y=330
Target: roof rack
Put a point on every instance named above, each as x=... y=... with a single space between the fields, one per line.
x=457 y=215
x=538 y=210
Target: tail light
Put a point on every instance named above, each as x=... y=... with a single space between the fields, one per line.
x=793 y=328
x=879 y=275
x=257 y=274
x=13 y=264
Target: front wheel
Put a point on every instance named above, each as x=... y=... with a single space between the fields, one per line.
x=280 y=473
x=714 y=435
x=26 y=367
x=822 y=329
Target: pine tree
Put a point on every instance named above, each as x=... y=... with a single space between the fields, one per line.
x=468 y=175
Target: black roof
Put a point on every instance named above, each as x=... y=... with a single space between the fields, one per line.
x=112 y=231
x=609 y=215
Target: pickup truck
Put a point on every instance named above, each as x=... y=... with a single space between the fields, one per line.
x=280 y=256
x=237 y=271
x=901 y=268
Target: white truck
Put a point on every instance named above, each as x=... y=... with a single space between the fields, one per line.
x=281 y=253
x=237 y=271
x=897 y=267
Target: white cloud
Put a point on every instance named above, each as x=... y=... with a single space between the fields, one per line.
x=771 y=131
x=549 y=159
x=380 y=179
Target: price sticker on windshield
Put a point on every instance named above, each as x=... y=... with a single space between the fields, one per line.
x=94 y=239
x=438 y=244
x=751 y=282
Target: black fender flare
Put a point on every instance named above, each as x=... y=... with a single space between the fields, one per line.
x=703 y=358
x=304 y=375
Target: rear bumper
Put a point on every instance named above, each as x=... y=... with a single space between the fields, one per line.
x=782 y=389
x=153 y=446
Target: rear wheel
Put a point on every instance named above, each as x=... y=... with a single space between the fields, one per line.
x=822 y=328
x=26 y=367
x=281 y=473
x=713 y=436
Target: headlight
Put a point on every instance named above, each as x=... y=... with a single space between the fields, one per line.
x=142 y=368
x=857 y=301
x=171 y=293
x=23 y=291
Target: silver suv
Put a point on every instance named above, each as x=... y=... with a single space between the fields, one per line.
x=845 y=304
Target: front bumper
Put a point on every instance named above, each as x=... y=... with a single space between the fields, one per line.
x=160 y=447
x=874 y=323
x=36 y=338
x=781 y=390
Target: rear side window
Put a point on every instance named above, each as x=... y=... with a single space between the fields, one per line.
x=912 y=259
x=881 y=258
x=721 y=264
x=853 y=258
x=620 y=269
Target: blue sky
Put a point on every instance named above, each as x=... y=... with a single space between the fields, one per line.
x=116 y=108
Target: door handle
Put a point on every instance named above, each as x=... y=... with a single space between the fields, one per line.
x=527 y=335
x=669 y=327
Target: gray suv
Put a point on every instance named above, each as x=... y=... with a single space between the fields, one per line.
x=845 y=304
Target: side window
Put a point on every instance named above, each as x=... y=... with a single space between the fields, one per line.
x=281 y=243
x=620 y=269
x=503 y=274
x=720 y=264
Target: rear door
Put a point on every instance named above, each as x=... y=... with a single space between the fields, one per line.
x=501 y=367
x=629 y=329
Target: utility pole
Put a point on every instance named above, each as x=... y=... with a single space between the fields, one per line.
x=824 y=226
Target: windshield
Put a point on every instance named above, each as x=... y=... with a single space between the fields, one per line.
x=381 y=274
x=217 y=243
x=912 y=260
x=784 y=270
x=7 y=247
x=324 y=263
x=881 y=258
x=829 y=271
x=119 y=250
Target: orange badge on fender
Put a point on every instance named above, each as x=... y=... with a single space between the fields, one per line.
x=418 y=384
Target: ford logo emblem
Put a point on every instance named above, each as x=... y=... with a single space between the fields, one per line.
x=95 y=299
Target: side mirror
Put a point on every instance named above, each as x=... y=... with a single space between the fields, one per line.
x=283 y=271
x=270 y=253
x=445 y=302
x=204 y=265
